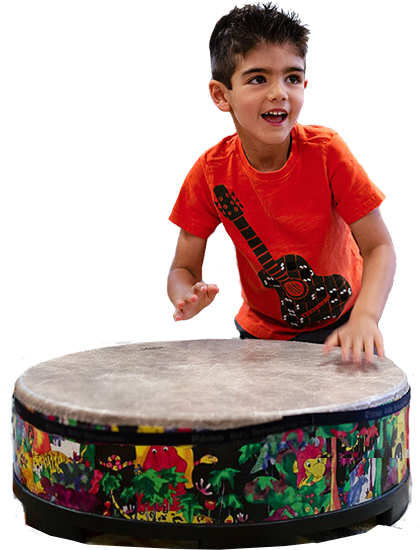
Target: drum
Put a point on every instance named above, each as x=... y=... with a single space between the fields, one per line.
x=232 y=443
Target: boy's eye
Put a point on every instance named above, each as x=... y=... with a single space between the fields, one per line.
x=258 y=80
x=294 y=79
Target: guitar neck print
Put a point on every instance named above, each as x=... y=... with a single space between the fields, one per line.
x=305 y=298
x=231 y=208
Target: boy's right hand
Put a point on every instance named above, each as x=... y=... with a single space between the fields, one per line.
x=201 y=295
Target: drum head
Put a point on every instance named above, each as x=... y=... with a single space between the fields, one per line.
x=205 y=384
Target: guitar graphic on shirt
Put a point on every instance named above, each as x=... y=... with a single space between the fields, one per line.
x=305 y=298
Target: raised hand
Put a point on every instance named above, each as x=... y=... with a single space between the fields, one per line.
x=200 y=296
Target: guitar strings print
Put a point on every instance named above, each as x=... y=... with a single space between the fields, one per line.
x=305 y=298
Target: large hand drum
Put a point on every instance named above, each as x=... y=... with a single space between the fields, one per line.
x=231 y=443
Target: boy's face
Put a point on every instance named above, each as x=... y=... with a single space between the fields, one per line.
x=266 y=96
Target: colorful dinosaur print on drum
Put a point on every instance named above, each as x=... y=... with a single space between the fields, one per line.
x=305 y=298
x=308 y=471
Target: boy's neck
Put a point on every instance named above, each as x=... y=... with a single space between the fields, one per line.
x=267 y=158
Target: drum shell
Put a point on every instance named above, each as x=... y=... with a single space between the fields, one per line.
x=298 y=467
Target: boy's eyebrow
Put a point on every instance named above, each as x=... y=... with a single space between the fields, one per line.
x=294 y=70
x=269 y=71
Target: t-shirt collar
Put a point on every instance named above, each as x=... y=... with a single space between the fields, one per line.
x=277 y=175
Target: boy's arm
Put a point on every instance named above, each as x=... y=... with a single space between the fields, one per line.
x=186 y=290
x=361 y=332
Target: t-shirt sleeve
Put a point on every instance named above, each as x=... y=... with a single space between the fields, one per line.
x=354 y=194
x=194 y=210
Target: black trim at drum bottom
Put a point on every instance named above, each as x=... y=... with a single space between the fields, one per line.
x=74 y=525
x=84 y=433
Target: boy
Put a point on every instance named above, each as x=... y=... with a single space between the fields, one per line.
x=315 y=259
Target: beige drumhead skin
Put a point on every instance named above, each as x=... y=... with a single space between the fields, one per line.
x=205 y=384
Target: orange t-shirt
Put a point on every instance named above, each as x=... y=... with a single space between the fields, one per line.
x=300 y=267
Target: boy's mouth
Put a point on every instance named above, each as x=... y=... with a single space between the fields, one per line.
x=275 y=116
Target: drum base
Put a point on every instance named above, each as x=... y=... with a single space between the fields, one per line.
x=74 y=525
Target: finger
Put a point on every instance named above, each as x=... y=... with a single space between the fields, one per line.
x=179 y=306
x=192 y=297
x=212 y=289
x=357 y=352
x=332 y=341
x=177 y=315
x=345 y=352
x=369 y=351
x=197 y=292
x=379 y=343
x=199 y=287
x=212 y=292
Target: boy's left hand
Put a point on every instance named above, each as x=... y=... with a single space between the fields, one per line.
x=359 y=334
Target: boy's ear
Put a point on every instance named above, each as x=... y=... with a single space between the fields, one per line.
x=219 y=95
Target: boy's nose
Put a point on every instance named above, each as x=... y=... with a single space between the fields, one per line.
x=277 y=92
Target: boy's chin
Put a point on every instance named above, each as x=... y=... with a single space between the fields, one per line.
x=265 y=137
x=276 y=141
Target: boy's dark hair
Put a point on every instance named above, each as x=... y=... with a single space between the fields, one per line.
x=242 y=29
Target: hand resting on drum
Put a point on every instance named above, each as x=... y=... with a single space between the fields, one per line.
x=186 y=289
x=358 y=334
x=361 y=332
